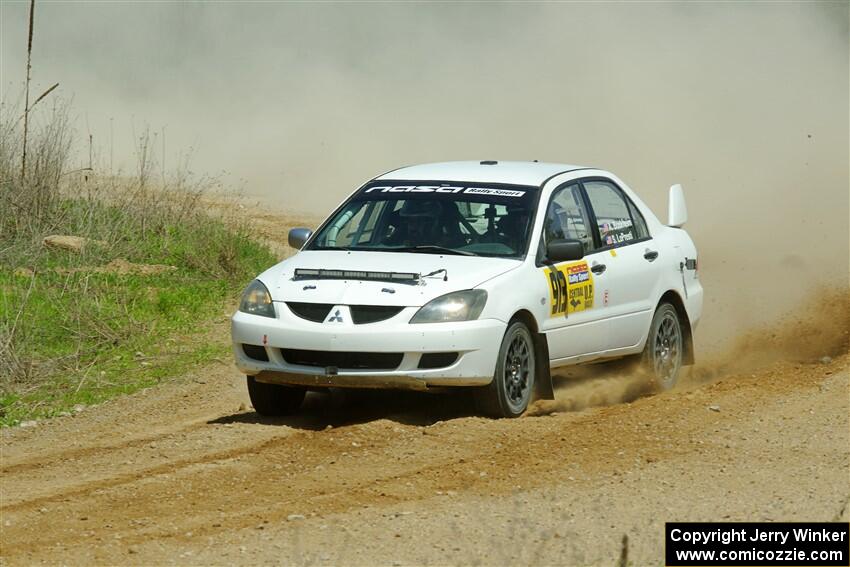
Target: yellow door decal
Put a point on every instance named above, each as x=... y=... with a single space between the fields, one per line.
x=570 y=288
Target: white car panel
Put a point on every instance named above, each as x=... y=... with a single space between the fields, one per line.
x=512 y=172
x=476 y=342
x=461 y=272
x=575 y=326
x=629 y=284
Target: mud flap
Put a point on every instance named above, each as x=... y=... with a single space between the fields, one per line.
x=688 y=359
x=543 y=388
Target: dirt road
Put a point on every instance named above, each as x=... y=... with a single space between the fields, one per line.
x=186 y=473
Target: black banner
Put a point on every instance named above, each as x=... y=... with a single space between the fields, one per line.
x=692 y=544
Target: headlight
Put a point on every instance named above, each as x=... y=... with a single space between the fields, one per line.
x=256 y=300
x=458 y=306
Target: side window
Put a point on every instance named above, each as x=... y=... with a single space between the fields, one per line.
x=356 y=226
x=613 y=218
x=348 y=229
x=367 y=228
x=566 y=217
x=640 y=224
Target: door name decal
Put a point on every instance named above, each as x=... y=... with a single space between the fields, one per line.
x=570 y=288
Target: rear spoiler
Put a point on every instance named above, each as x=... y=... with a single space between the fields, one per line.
x=677 y=211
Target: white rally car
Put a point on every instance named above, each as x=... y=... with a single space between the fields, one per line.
x=478 y=274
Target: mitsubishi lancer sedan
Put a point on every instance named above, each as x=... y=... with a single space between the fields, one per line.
x=483 y=275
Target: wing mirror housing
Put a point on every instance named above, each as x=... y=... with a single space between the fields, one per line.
x=298 y=237
x=677 y=211
x=564 y=250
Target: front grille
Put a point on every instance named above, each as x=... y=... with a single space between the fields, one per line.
x=431 y=360
x=256 y=352
x=343 y=360
x=362 y=314
x=315 y=312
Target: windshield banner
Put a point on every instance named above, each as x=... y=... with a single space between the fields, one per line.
x=440 y=189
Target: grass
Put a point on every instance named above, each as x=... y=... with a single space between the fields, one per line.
x=72 y=332
x=81 y=337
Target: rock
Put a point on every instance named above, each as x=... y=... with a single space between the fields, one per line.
x=294 y=517
x=132 y=549
x=30 y=423
x=714 y=408
x=74 y=244
x=79 y=408
x=826 y=359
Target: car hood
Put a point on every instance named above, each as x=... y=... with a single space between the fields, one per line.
x=464 y=272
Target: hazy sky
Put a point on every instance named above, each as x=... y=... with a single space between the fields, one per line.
x=316 y=97
x=745 y=104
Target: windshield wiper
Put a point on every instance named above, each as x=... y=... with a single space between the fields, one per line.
x=431 y=248
x=324 y=248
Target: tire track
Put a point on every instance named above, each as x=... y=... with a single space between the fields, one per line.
x=377 y=463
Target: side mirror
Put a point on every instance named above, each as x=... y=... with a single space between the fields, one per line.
x=677 y=212
x=562 y=250
x=299 y=236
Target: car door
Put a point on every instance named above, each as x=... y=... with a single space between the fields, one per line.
x=574 y=326
x=629 y=260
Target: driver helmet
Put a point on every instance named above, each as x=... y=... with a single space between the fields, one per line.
x=420 y=217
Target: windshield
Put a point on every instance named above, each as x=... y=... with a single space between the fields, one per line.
x=433 y=218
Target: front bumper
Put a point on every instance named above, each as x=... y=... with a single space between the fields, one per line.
x=476 y=342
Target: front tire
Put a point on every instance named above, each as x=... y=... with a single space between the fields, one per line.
x=509 y=394
x=663 y=354
x=274 y=399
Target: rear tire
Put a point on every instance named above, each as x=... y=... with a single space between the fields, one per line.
x=274 y=399
x=664 y=350
x=509 y=394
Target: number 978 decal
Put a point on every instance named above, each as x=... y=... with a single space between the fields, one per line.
x=570 y=288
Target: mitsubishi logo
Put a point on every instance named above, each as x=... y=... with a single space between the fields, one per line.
x=335 y=318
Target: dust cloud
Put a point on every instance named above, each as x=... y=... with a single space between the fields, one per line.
x=745 y=104
x=815 y=334
x=582 y=387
